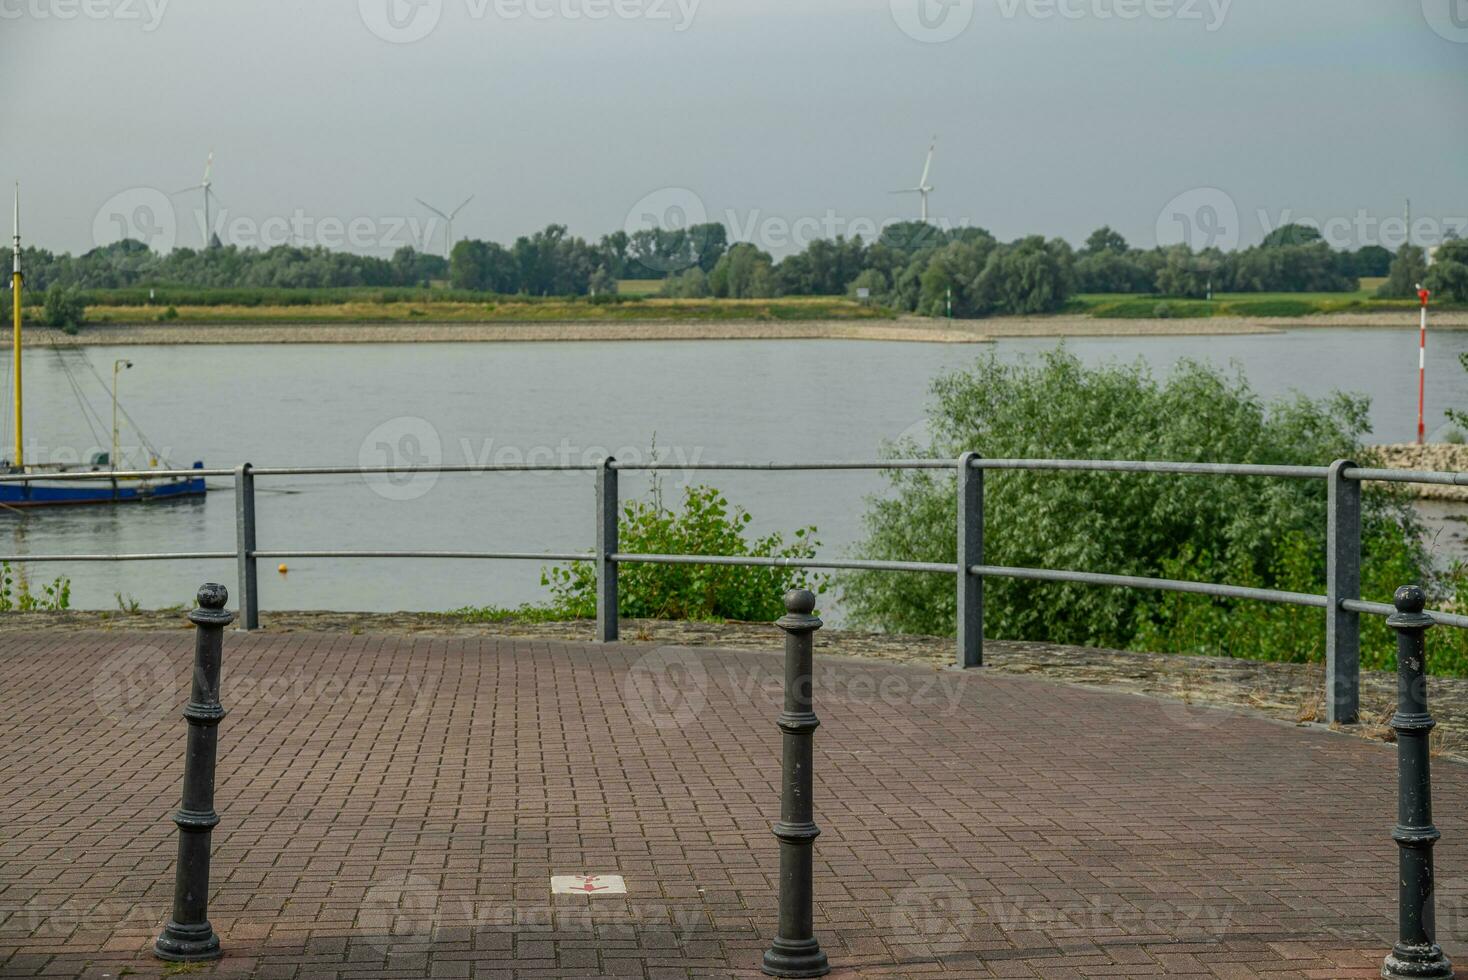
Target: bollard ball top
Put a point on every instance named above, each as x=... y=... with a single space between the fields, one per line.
x=212 y=596
x=1410 y=599
x=800 y=602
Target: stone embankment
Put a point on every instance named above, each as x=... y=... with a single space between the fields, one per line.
x=1434 y=457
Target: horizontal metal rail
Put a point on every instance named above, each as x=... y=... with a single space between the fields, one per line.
x=420 y=470
x=128 y=475
x=1406 y=476
x=142 y=556
x=1143 y=466
x=1074 y=465
x=494 y=555
x=884 y=464
x=758 y=561
x=1164 y=584
x=1387 y=609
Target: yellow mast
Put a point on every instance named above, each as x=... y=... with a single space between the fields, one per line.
x=15 y=280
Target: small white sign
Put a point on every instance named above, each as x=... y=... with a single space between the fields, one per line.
x=862 y=292
x=588 y=885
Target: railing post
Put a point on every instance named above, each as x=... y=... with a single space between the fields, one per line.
x=970 y=611
x=188 y=934
x=606 y=546
x=1342 y=581
x=795 y=951
x=1416 y=953
x=244 y=528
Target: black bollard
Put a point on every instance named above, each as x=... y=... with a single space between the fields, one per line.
x=1415 y=955
x=188 y=935
x=795 y=951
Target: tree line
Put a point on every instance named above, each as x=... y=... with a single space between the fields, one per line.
x=910 y=266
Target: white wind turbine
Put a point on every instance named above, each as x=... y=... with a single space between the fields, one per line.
x=207 y=186
x=923 y=187
x=448 y=230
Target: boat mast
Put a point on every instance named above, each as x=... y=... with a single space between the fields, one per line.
x=15 y=281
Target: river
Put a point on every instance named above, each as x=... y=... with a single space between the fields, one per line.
x=698 y=401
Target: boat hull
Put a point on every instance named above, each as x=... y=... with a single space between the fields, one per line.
x=77 y=493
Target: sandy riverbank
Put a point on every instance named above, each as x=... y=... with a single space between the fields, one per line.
x=906 y=329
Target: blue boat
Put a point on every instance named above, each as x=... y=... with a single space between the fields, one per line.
x=120 y=490
x=42 y=488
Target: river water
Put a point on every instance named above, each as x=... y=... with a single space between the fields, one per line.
x=697 y=401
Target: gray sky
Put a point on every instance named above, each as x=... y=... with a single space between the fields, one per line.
x=1052 y=116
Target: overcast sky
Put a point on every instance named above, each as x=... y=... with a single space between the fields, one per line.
x=1052 y=116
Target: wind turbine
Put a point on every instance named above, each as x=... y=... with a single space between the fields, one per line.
x=207 y=186
x=923 y=187
x=448 y=231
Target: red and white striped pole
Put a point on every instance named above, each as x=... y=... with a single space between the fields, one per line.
x=1423 y=295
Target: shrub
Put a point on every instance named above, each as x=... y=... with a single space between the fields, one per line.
x=16 y=594
x=1251 y=531
x=64 y=308
x=706 y=525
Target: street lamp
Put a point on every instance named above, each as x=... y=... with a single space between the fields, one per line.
x=118 y=366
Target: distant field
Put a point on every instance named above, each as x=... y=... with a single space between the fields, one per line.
x=1123 y=306
x=500 y=310
x=639 y=287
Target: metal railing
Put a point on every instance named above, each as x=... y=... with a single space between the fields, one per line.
x=1342 y=600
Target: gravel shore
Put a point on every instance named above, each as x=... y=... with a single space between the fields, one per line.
x=908 y=329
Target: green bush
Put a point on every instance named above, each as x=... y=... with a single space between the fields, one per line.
x=705 y=525
x=1246 y=531
x=64 y=308
x=16 y=594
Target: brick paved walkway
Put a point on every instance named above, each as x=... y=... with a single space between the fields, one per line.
x=394 y=807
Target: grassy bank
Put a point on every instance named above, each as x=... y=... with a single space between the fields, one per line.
x=1143 y=307
x=497 y=310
